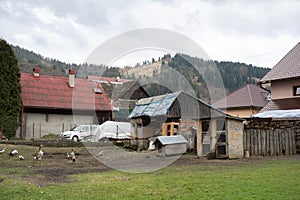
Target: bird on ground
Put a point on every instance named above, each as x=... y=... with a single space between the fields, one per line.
x=72 y=155
x=21 y=157
x=100 y=153
x=2 y=150
x=40 y=153
x=13 y=152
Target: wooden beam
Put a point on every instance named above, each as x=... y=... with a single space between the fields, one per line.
x=199 y=138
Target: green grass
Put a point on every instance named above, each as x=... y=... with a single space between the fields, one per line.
x=262 y=179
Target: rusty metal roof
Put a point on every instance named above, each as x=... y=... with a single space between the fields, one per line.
x=288 y=67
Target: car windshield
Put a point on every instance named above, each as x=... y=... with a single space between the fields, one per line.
x=76 y=128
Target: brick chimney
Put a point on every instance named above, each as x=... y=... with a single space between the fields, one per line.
x=36 y=72
x=72 y=78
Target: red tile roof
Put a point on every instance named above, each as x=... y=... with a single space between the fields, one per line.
x=288 y=67
x=53 y=92
x=248 y=96
x=282 y=104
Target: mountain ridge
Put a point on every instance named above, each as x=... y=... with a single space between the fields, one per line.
x=233 y=74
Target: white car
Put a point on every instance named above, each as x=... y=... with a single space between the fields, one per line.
x=79 y=132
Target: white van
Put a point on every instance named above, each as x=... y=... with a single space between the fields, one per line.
x=79 y=132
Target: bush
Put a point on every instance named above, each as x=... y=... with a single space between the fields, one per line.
x=51 y=136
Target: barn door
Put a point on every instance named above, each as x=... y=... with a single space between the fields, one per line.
x=221 y=139
x=206 y=137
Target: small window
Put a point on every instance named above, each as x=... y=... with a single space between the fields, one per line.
x=297 y=91
x=97 y=91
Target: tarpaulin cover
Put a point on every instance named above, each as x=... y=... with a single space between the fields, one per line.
x=279 y=114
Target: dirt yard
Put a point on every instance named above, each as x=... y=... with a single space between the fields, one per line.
x=55 y=168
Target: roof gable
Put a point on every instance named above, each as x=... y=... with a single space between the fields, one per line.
x=51 y=92
x=247 y=96
x=288 y=67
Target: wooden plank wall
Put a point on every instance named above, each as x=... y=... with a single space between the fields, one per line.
x=271 y=138
x=265 y=142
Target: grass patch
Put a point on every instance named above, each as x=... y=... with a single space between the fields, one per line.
x=256 y=179
x=51 y=136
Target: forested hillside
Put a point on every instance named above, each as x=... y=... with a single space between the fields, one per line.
x=197 y=72
x=28 y=60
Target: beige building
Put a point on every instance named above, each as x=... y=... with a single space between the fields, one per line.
x=244 y=102
x=285 y=82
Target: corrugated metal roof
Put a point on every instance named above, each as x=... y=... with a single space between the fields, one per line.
x=287 y=67
x=247 y=96
x=53 y=92
x=154 y=106
x=174 y=139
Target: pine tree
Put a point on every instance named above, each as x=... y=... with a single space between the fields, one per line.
x=10 y=90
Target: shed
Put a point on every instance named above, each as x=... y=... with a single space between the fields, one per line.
x=170 y=145
x=164 y=115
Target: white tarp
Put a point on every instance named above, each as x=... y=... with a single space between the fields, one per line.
x=279 y=114
x=114 y=130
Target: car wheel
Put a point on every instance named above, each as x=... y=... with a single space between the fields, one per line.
x=75 y=139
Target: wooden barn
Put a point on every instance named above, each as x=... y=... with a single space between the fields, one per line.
x=164 y=115
x=123 y=94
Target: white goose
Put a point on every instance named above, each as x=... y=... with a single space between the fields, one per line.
x=21 y=157
x=13 y=152
x=40 y=154
x=2 y=150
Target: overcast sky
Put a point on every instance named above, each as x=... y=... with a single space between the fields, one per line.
x=253 y=32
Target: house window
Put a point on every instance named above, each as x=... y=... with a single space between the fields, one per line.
x=297 y=91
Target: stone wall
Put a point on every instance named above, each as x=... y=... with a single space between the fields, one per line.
x=235 y=139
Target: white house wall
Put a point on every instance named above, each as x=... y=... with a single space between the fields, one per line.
x=43 y=124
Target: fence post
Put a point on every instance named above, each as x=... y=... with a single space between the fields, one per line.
x=40 y=130
x=32 y=130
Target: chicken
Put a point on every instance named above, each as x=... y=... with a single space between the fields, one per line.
x=72 y=155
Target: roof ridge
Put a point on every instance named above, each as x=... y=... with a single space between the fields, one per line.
x=266 y=79
x=251 y=100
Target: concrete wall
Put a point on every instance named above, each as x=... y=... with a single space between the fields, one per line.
x=43 y=124
x=235 y=139
x=284 y=89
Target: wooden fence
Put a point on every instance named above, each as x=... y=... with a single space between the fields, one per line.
x=264 y=142
x=271 y=138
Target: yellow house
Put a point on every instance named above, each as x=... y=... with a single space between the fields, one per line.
x=244 y=102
